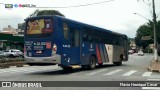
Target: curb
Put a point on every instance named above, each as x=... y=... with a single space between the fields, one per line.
x=153 y=70
x=12 y=65
x=154 y=66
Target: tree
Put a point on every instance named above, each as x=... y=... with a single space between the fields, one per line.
x=146 y=30
x=45 y=12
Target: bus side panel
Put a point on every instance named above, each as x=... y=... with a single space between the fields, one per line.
x=65 y=59
x=117 y=51
x=63 y=50
x=105 y=53
x=102 y=57
x=125 y=50
x=57 y=36
x=88 y=49
x=99 y=54
x=99 y=50
x=109 y=49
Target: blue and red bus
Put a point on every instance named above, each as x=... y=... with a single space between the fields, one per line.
x=68 y=43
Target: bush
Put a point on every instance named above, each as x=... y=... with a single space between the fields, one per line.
x=148 y=50
x=5 y=60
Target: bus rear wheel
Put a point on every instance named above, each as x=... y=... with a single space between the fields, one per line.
x=92 y=63
x=120 y=61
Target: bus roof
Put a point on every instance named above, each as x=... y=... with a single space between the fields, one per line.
x=76 y=22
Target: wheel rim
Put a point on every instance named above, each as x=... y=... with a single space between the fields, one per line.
x=93 y=62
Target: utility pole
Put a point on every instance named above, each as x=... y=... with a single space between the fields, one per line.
x=155 y=65
x=155 y=34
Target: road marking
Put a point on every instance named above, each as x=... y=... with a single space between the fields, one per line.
x=129 y=73
x=154 y=79
x=151 y=88
x=113 y=72
x=24 y=70
x=27 y=69
x=95 y=72
x=146 y=74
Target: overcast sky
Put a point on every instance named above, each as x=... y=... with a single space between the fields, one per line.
x=116 y=15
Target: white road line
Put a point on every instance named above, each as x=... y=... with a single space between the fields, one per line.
x=151 y=88
x=23 y=70
x=129 y=73
x=113 y=72
x=146 y=74
x=154 y=79
x=30 y=71
x=14 y=70
x=40 y=70
x=95 y=72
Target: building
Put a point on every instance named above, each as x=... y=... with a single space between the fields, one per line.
x=9 y=30
x=9 y=41
x=11 y=38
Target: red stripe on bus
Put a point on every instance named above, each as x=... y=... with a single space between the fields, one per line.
x=98 y=55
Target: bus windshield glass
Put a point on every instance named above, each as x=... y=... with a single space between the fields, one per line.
x=39 y=27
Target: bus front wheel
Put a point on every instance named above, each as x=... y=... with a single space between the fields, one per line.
x=92 y=62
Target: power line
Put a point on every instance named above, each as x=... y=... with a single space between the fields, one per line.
x=78 y=5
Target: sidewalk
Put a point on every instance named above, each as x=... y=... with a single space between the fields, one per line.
x=154 y=66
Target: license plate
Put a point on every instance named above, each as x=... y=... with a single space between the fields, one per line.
x=39 y=52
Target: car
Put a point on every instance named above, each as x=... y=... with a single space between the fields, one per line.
x=2 y=55
x=13 y=53
x=140 y=53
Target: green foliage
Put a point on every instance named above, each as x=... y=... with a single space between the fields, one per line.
x=146 y=30
x=11 y=38
x=45 y=12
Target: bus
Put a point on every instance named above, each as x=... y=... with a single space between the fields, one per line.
x=51 y=40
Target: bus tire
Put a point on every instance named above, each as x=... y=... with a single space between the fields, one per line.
x=120 y=61
x=92 y=63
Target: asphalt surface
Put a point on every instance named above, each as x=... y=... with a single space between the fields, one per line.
x=136 y=69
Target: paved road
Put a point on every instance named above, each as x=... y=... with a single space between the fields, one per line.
x=133 y=70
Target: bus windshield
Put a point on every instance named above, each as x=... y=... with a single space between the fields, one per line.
x=39 y=28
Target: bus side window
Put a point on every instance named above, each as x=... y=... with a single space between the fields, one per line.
x=84 y=36
x=65 y=31
x=77 y=38
x=87 y=36
x=121 y=41
x=74 y=37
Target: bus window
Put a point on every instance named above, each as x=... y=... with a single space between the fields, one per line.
x=74 y=36
x=84 y=36
x=65 y=31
